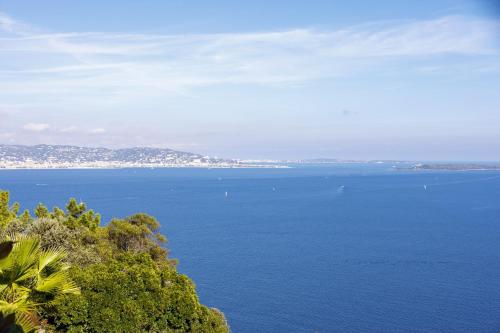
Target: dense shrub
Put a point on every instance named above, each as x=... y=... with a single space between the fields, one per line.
x=127 y=281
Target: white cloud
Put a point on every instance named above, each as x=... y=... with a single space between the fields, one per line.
x=97 y=131
x=69 y=129
x=36 y=127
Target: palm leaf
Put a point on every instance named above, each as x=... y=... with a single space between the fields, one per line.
x=28 y=270
x=28 y=321
x=52 y=283
x=52 y=258
x=22 y=261
x=58 y=282
x=70 y=288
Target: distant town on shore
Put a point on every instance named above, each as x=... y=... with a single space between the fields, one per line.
x=66 y=157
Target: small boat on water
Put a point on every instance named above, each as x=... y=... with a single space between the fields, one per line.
x=425 y=187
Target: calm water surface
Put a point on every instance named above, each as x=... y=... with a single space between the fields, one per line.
x=350 y=248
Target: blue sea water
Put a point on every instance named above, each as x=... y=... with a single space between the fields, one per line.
x=346 y=248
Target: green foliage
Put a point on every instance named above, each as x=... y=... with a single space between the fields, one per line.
x=25 y=218
x=41 y=211
x=7 y=213
x=78 y=215
x=138 y=233
x=31 y=277
x=57 y=213
x=127 y=281
x=75 y=209
x=146 y=299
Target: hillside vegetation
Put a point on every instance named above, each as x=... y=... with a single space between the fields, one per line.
x=113 y=278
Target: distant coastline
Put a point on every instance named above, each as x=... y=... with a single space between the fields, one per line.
x=457 y=166
x=74 y=157
x=14 y=157
x=126 y=166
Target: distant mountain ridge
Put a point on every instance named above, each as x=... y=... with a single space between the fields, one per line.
x=63 y=156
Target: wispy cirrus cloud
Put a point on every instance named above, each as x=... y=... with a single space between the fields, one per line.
x=124 y=89
x=121 y=63
x=9 y=24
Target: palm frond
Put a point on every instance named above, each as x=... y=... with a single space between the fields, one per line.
x=52 y=258
x=28 y=270
x=17 y=306
x=58 y=282
x=27 y=248
x=28 y=321
x=22 y=260
x=71 y=288
x=52 y=283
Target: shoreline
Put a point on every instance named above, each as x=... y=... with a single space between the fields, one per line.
x=146 y=167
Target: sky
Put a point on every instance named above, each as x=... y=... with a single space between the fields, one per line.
x=412 y=80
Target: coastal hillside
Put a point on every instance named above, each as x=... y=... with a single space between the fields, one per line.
x=60 y=156
x=60 y=271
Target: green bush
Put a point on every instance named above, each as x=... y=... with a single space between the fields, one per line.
x=127 y=281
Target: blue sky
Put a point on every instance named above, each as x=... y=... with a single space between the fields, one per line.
x=255 y=79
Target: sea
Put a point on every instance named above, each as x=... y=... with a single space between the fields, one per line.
x=318 y=248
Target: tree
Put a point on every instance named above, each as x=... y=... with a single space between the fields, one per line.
x=7 y=213
x=78 y=215
x=31 y=277
x=138 y=232
x=41 y=211
x=75 y=209
x=25 y=217
x=148 y=298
